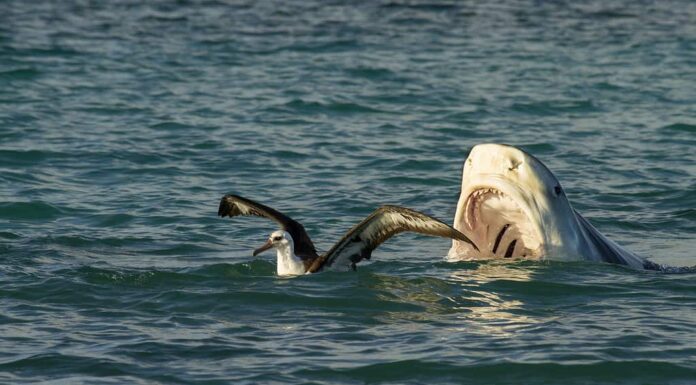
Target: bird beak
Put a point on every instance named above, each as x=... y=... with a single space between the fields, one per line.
x=263 y=248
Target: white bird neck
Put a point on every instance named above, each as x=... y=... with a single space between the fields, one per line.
x=288 y=262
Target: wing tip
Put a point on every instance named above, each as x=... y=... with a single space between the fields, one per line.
x=227 y=205
x=458 y=235
x=455 y=234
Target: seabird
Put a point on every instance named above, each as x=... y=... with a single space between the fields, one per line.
x=297 y=255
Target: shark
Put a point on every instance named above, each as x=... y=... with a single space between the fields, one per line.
x=512 y=206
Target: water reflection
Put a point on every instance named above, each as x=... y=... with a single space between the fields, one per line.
x=494 y=312
x=481 y=298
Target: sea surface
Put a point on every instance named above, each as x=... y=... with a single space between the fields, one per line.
x=122 y=124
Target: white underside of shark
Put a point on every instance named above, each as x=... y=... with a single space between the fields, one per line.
x=512 y=206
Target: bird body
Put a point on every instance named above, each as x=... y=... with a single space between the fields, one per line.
x=297 y=255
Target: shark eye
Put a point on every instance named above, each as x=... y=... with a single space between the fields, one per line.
x=558 y=189
x=277 y=238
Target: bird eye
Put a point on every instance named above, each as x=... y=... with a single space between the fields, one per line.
x=558 y=189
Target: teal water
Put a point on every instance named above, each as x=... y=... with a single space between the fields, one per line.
x=122 y=124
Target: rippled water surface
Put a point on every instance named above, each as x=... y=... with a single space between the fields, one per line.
x=123 y=123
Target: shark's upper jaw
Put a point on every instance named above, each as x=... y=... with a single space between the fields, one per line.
x=499 y=225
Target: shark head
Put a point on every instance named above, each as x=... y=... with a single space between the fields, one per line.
x=512 y=206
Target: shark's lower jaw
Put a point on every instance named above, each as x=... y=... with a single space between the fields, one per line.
x=500 y=228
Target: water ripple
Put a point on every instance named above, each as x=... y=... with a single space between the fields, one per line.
x=122 y=125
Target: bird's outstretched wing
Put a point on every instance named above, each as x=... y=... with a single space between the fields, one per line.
x=232 y=205
x=382 y=224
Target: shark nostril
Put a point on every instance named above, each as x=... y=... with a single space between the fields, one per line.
x=558 y=189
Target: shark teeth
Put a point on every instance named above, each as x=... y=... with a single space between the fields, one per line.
x=487 y=212
x=473 y=204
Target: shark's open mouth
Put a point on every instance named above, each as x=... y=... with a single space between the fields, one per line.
x=500 y=228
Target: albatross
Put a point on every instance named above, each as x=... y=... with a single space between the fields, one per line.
x=297 y=255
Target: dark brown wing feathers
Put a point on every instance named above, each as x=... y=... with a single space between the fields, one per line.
x=233 y=205
x=379 y=226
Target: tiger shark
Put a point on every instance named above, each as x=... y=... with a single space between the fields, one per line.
x=512 y=206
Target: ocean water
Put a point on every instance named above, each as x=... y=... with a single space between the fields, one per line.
x=123 y=123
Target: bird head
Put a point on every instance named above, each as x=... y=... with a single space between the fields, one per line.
x=278 y=239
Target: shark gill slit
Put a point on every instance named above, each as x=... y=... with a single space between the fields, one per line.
x=499 y=237
x=510 y=249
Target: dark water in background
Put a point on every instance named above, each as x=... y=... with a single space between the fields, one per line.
x=122 y=124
